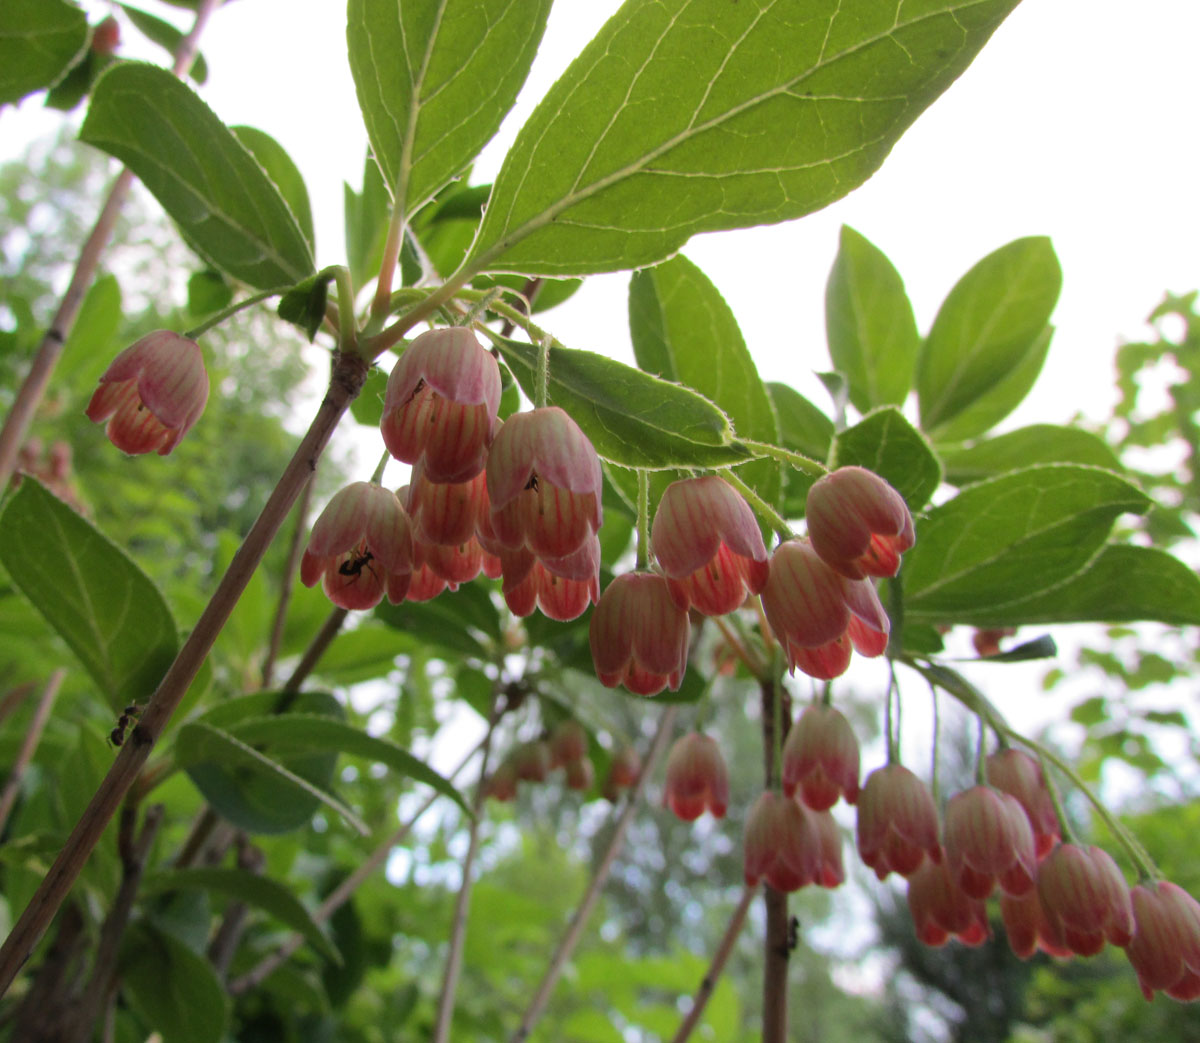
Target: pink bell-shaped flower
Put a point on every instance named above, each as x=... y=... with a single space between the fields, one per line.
x=568 y=742
x=639 y=636
x=623 y=772
x=531 y=582
x=817 y=614
x=897 y=822
x=697 y=779
x=441 y=403
x=1028 y=927
x=858 y=523
x=830 y=871
x=1016 y=773
x=151 y=394
x=708 y=543
x=781 y=844
x=544 y=484
x=501 y=784
x=941 y=910
x=580 y=774
x=820 y=758
x=532 y=761
x=1165 y=950
x=360 y=546
x=988 y=839
x=1085 y=898
x=445 y=513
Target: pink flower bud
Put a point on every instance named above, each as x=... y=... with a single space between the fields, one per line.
x=830 y=870
x=544 y=484
x=988 y=839
x=639 y=636
x=502 y=783
x=782 y=845
x=820 y=757
x=532 y=761
x=1165 y=950
x=151 y=394
x=708 y=543
x=106 y=36
x=1016 y=773
x=568 y=742
x=441 y=404
x=811 y=609
x=897 y=822
x=1085 y=898
x=941 y=910
x=623 y=772
x=697 y=778
x=858 y=523
x=580 y=774
x=361 y=545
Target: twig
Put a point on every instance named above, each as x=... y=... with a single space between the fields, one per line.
x=341 y=894
x=29 y=744
x=33 y=388
x=579 y=920
x=133 y=862
x=42 y=1013
x=288 y=581
x=778 y=949
x=349 y=374
x=458 y=931
x=225 y=941
x=709 y=982
x=312 y=655
x=13 y=698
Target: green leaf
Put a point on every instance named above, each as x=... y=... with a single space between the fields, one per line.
x=313 y=733
x=282 y=170
x=989 y=340
x=632 y=418
x=684 y=331
x=1042 y=647
x=366 y=217
x=1123 y=584
x=89 y=346
x=304 y=303
x=200 y=745
x=687 y=116
x=39 y=41
x=175 y=991
x=435 y=79
x=873 y=338
x=166 y=36
x=261 y=892
x=804 y=429
x=362 y=654
x=367 y=408
x=1000 y=543
x=1036 y=444
x=73 y=88
x=229 y=211
x=890 y=446
x=208 y=292
x=100 y=603
x=450 y=622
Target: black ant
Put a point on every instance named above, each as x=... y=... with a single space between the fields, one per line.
x=131 y=712
x=353 y=567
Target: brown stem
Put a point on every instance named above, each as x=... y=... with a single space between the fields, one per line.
x=45 y=1012
x=228 y=936
x=341 y=894
x=347 y=381
x=574 y=932
x=13 y=698
x=133 y=863
x=29 y=743
x=33 y=389
x=709 y=982
x=778 y=948
x=312 y=655
x=458 y=931
x=295 y=549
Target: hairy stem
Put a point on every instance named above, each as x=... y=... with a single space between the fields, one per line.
x=29 y=744
x=574 y=932
x=347 y=381
x=33 y=388
x=709 y=982
x=287 y=583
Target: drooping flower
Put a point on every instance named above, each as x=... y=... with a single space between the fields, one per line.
x=623 y=772
x=708 y=543
x=820 y=758
x=697 y=778
x=580 y=774
x=1028 y=927
x=445 y=513
x=544 y=485
x=858 y=523
x=441 y=403
x=639 y=636
x=1016 y=773
x=1085 y=898
x=1165 y=950
x=532 y=761
x=361 y=547
x=830 y=871
x=531 y=582
x=501 y=784
x=781 y=844
x=817 y=614
x=151 y=394
x=897 y=822
x=941 y=910
x=568 y=742
x=989 y=841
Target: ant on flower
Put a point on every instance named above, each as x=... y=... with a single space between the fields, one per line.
x=353 y=567
x=131 y=712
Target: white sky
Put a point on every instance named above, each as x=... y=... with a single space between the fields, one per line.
x=1077 y=120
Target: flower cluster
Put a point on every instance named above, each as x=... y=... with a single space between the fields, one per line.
x=565 y=747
